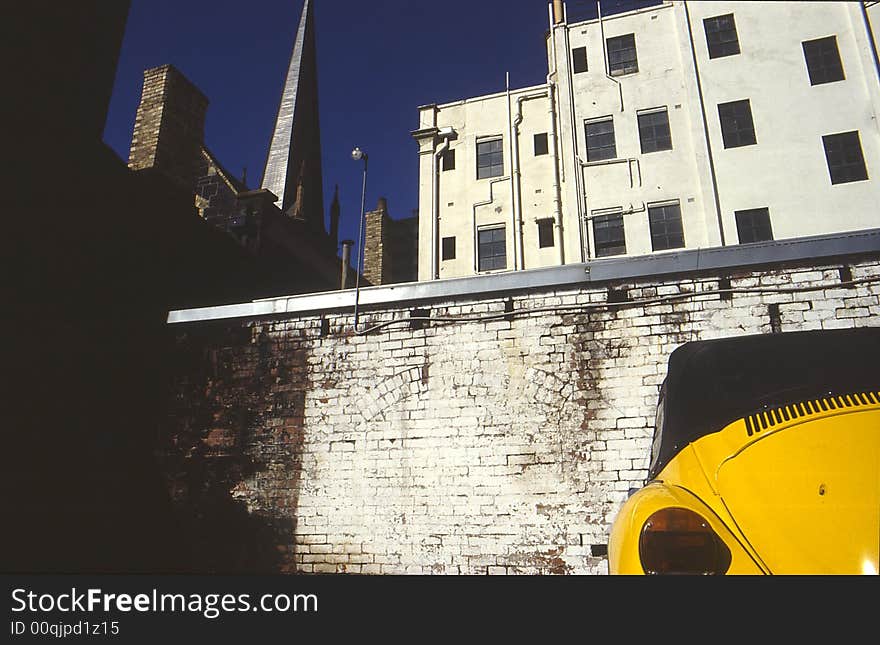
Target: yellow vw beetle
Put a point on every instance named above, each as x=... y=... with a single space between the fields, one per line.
x=765 y=460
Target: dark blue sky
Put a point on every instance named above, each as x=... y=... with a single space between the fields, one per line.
x=378 y=60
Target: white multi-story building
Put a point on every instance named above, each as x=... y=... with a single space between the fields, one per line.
x=674 y=125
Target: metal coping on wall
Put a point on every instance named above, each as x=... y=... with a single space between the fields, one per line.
x=567 y=276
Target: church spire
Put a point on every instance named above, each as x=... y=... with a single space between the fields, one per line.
x=296 y=135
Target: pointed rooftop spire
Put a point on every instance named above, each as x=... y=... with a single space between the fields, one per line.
x=296 y=136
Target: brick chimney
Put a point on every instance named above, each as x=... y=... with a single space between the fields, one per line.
x=377 y=246
x=169 y=126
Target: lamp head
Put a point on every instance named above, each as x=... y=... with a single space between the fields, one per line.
x=357 y=154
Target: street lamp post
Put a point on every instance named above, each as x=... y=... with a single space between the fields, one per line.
x=357 y=154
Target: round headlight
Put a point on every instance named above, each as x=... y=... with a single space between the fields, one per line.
x=679 y=541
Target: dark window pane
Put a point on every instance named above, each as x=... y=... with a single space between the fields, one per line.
x=737 y=127
x=721 y=36
x=579 y=59
x=622 y=57
x=448 y=251
x=753 y=225
x=654 y=131
x=448 y=159
x=843 y=152
x=823 y=60
x=545 y=233
x=665 y=223
x=541 y=144
x=600 y=140
x=490 y=160
x=608 y=235
x=491 y=249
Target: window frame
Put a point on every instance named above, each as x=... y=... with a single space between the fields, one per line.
x=491 y=228
x=733 y=136
x=445 y=244
x=622 y=71
x=447 y=160
x=655 y=234
x=545 y=223
x=745 y=222
x=587 y=136
x=834 y=171
x=545 y=144
x=819 y=58
x=576 y=59
x=608 y=248
x=651 y=113
x=724 y=44
x=492 y=167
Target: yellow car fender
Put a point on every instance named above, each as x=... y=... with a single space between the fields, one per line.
x=623 y=547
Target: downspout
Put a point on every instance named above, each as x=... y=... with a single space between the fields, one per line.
x=551 y=88
x=605 y=54
x=513 y=192
x=578 y=179
x=435 y=202
x=517 y=175
x=687 y=15
x=871 y=40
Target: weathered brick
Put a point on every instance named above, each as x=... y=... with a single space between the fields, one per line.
x=472 y=448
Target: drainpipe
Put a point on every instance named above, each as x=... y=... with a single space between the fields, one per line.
x=871 y=40
x=555 y=17
x=446 y=134
x=517 y=175
x=605 y=54
x=515 y=216
x=578 y=178
x=687 y=16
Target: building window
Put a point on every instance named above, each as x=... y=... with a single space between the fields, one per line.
x=600 y=140
x=579 y=59
x=490 y=161
x=541 y=144
x=608 y=235
x=843 y=152
x=448 y=159
x=654 y=130
x=448 y=248
x=545 y=233
x=622 y=55
x=737 y=127
x=823 y=60
x=753 y=225
x=721 y=36
x=491 y=248
x=665 y=223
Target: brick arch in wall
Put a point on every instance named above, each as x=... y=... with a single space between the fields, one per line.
x=524 y=456
x=539 y=385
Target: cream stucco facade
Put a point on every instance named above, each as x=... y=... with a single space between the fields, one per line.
x=647 y=138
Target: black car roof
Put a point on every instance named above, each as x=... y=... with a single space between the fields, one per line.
x=710 y=384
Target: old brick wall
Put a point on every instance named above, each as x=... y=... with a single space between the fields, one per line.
x=500 y=437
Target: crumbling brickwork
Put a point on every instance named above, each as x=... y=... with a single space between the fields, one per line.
x=500 y=443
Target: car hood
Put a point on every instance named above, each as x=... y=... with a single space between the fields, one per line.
x=806 y=495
